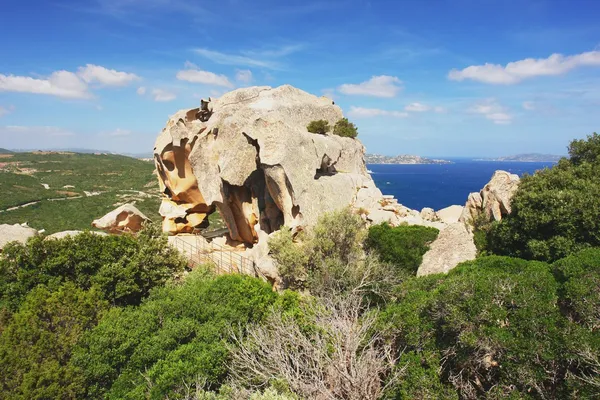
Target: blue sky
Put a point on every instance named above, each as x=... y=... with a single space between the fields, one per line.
x=428 y=77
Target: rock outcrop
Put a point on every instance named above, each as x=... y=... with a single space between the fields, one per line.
x=453 y=246
x=126 y=218
x=15 y=233
x=493 y=200
x=249 y=156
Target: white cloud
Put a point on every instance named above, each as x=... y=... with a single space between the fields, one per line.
x=361 y=112
x=493 y=111
x=417 y=107
x=6 y=110
x=194 y=75
x=235 y=59
x=109 y=77
x=515 y=72
x=141 y=90
x=33 y=131
x=66 y=84
x=529 y=105
x=163 y=95
x=440 y=110
x=377 y=86
x=119 y=132
x=60 y=83
x=243 y=75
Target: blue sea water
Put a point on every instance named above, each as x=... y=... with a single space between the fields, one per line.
x=441 y=185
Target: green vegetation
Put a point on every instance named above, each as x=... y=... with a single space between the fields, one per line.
x=556 y=211
x=402 y=246
x=321 y=127
x=110 y=180
x=345 y=128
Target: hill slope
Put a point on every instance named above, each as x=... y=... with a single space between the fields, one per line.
x=59 y=191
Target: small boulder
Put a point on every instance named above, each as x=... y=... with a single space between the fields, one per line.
x=15 y=233
x=428 y=214
x=126 y=218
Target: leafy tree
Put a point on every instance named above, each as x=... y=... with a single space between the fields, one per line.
x=177 y=337
x=36 y=346
x=345 y=128
x=124 y=268
x=402 y=246
x=321 y=127
x=556 y=211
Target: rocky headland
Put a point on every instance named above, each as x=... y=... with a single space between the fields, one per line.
x=402 y=159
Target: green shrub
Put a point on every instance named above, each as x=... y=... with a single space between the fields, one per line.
x=556 y=211
x=321 y=127
x=36 y=346
x=345 y=128
x=495 y=324
x=177 y=337
x=329 y=258
x=402 y=246
x=124 y=268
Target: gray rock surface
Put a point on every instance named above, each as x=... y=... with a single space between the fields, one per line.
x=453 y=246
x=12 y=233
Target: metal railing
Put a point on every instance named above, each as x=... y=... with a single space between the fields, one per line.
x=225 y=261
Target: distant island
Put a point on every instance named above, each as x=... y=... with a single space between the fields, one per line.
x=528 y=157
x=402 y=159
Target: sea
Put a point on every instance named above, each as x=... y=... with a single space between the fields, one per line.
x=442 y=185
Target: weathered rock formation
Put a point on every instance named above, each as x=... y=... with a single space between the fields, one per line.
x=126 y=218
x=493 y=200
x=12 y=233
x=249 y=155
x=453 y=246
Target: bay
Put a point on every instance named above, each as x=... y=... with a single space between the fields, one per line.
x=442 y=185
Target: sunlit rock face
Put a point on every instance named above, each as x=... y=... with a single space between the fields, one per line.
x=249 y=156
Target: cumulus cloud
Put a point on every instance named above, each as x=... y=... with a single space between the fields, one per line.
x=517 y=71
x=243 y=75
x=109 y=77
x=361 y=112
x=141 y=90
x=60 y=83
x=493 y=111
x=417 y=107
x=163 y=95
x=66 y=84
x=195 y=75
x=377 y=86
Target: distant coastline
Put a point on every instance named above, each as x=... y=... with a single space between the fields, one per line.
x=402 y=159
x=529 y=157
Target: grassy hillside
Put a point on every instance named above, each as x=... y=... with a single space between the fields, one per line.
x=70 y=190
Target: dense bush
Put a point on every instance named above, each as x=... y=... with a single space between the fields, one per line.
x=36 y=346
x=345 y=128
x=124 y=268
x=321 y=127
x=173 y=340
x=493 y=328
x=556 y=211
x=402 y=246
x=329 y=258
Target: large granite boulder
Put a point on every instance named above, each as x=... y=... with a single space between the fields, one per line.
x=125 y=218
x=15 y=233
x=249 y=155
x=453 y=246
x=493 y=200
